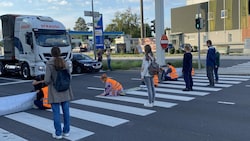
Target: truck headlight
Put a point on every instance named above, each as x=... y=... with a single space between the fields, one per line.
x=41 y=68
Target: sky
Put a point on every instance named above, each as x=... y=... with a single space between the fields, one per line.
x=68 y=11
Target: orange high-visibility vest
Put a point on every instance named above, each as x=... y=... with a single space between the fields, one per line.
x=174 y=73
x=45 y=97
x=115 y=85
x=156 y=80
x=192 y=72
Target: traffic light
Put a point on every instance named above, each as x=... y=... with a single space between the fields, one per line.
x=153 y=26
x=199 y=23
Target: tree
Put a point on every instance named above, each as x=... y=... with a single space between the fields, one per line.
x=127 y=22
x=80 y=25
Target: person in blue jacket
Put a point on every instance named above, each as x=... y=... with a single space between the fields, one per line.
x=210 y=63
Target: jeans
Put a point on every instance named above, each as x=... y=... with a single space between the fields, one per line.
x=109 y=64
x=57 y=119
x=151 y=89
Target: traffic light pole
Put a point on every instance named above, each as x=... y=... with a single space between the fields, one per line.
x=199 y=54
x=199 y=49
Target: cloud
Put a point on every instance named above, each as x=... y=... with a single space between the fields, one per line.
x=64 y=2
x=6 y=4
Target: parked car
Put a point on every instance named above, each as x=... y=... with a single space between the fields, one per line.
x=84 y=63
x=183 y=45
x=170 y=45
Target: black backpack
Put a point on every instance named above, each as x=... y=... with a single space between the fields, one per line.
x=62 y=82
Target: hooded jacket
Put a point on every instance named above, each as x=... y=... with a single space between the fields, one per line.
x=50 y=77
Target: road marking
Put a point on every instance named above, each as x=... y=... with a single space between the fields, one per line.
x=114 y=107
x=247 y=85
x=7 y=136
x=95 y=88
x=16 y=82
x=225 y=102
x=196 y=84
x=47 y=125
x=159 y=95
x=194 y=87
x=181 y=92
x=136 y=79
x=95 y=117
x=139 y=100
x=223 y=75
x=222 y=78
x=220 y=81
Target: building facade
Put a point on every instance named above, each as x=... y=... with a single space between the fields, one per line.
x=225 y=22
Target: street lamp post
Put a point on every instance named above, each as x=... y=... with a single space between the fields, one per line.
x=93 y=32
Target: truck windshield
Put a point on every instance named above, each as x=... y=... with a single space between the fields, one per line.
x=49 y=38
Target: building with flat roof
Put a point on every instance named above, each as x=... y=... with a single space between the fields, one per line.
x=225 y=22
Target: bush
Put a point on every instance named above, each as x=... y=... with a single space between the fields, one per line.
x=172 y=51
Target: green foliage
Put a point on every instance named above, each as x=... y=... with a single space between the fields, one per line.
x=80 y=25
x=172 y=50
x=127 y=22
x=132 y=64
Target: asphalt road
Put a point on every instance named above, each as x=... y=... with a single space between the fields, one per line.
x=206 y=114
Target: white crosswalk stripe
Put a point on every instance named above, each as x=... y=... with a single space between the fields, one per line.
x=168 y=95
x=7 y=136
x=118 y=107
x=197 y=84
x=46 y=125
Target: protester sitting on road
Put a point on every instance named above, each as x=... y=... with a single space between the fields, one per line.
x=41 y=90
x=112 y=87
x=170 y=73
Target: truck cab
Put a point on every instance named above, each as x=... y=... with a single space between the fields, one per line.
x=28 y=41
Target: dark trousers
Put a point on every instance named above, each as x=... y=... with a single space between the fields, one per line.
x=188 y=79
x=39 y=104
x=210 y=75
x=216 y=73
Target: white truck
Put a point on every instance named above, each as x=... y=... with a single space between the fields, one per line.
x=27 y=43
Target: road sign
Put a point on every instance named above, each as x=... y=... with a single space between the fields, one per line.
x=164 y=41
x=90 y=13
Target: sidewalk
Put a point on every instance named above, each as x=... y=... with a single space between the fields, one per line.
x=240 y=69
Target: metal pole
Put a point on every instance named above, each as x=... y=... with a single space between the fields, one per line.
x=199 y=54
x=93 y=32
x=142 y=19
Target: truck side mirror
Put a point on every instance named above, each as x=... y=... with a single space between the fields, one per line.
x=29 y=41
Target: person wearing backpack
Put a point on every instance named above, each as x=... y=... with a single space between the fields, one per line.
x=56 y=98
x=146 y=77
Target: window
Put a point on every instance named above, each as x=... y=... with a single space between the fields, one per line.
x=210 y=15
x=223 y=14
x=230 y=37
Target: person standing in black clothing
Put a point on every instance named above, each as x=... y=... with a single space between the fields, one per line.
x=187 y=68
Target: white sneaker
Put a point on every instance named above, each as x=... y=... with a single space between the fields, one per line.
x=65 y=134
x=148 y=104
x=56 y=137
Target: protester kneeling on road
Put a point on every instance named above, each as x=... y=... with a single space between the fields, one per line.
x=170 y=73
x=112 y=87
x=41 y=90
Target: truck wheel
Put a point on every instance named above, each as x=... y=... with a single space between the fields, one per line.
x=25 y=72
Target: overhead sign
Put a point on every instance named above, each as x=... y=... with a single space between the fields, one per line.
x=90 y=13
x=164 y=41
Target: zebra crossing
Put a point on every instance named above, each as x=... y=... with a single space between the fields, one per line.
x=168 y=95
